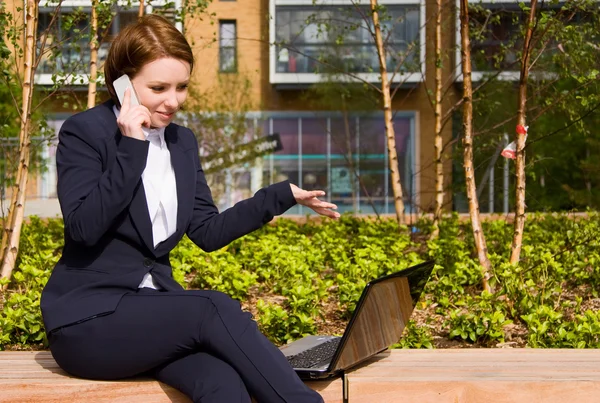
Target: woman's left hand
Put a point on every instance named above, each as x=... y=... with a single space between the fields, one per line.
x=309 y=198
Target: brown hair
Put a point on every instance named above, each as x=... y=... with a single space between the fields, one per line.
x=152 y=37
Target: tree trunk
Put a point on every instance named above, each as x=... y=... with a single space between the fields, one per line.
x=517 y=242
x=465 y=50
x=13 y=225
x=438 y=142
x=387 y=115
x=141 y=9
x=93 y=56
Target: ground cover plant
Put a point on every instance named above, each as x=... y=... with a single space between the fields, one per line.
x=305 y=277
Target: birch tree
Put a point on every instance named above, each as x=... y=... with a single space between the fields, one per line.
x=12 y=226
x=520 y=139
x=93 y=55
x=438 y=141
x=387 y=115
x=480 y=243
x=101 y=20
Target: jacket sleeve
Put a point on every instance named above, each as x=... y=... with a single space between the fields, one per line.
x=92 y=191
x=211 y=230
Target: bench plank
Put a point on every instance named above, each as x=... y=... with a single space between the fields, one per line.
x=437 y=376
x=479 y=375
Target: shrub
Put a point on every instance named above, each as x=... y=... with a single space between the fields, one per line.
x=304 y=276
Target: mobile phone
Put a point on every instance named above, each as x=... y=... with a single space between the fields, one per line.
x=120 y=85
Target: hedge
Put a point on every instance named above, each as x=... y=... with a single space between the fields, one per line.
x=301 y=278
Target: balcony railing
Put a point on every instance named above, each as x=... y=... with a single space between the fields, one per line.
x=354 y=58
x=313 y=42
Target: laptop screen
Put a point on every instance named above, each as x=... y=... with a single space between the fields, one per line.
x=381 y=314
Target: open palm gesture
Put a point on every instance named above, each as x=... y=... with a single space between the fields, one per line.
x=310 y=198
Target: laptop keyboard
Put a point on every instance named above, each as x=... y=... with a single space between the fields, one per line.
x=316 y=355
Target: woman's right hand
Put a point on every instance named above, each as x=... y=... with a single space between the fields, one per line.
x=132 y=118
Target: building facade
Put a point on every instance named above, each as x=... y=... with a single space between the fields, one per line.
x=281 y=45
x=284 y=49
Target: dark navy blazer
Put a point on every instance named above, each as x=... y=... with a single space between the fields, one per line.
x=108 y=233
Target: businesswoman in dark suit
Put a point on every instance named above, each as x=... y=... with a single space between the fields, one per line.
x=130 y=185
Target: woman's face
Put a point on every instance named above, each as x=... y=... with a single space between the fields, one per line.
x=161 y=86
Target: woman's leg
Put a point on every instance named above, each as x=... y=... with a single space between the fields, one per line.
x=150 y=329
x=204 y=379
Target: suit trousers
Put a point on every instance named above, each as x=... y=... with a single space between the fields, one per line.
x=199 y=342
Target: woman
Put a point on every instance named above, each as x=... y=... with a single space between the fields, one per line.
x=130 y=185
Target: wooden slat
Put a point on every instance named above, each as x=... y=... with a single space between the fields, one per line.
x=473 y=392
x=437 y=376
x=479 y=375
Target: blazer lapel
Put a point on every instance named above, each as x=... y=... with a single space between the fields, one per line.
x=183 y=166
x=140 y=216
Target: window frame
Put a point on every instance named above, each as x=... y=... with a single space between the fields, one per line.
x=234 y=47
x=411 y=175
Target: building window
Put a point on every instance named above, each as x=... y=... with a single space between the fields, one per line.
x=343 y=155
x=313 y=39
x=227 y=46
x=496 y=37
x=67 y=47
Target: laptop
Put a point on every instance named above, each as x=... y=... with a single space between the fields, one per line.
x=382 y=312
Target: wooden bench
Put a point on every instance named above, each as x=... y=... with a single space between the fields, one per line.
x=406 y=376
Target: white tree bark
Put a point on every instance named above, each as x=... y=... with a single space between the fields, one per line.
x=517 y=242
x=438 y=141
x=12 y=228
x=465 y=51
x=93 y=56
x=387 y=115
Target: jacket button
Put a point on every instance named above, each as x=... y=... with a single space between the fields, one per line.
x=148 y=262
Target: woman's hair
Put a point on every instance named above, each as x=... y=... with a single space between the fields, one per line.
x=151 y=38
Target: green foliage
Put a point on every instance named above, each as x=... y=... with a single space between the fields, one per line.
x=296 y=277
x=548 y=328
x=218 y=271
x=481 y=321
x=20 y=317
x=280 y=325
x=415 y=337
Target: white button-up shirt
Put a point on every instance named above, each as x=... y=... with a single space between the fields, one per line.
x=161 y=191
